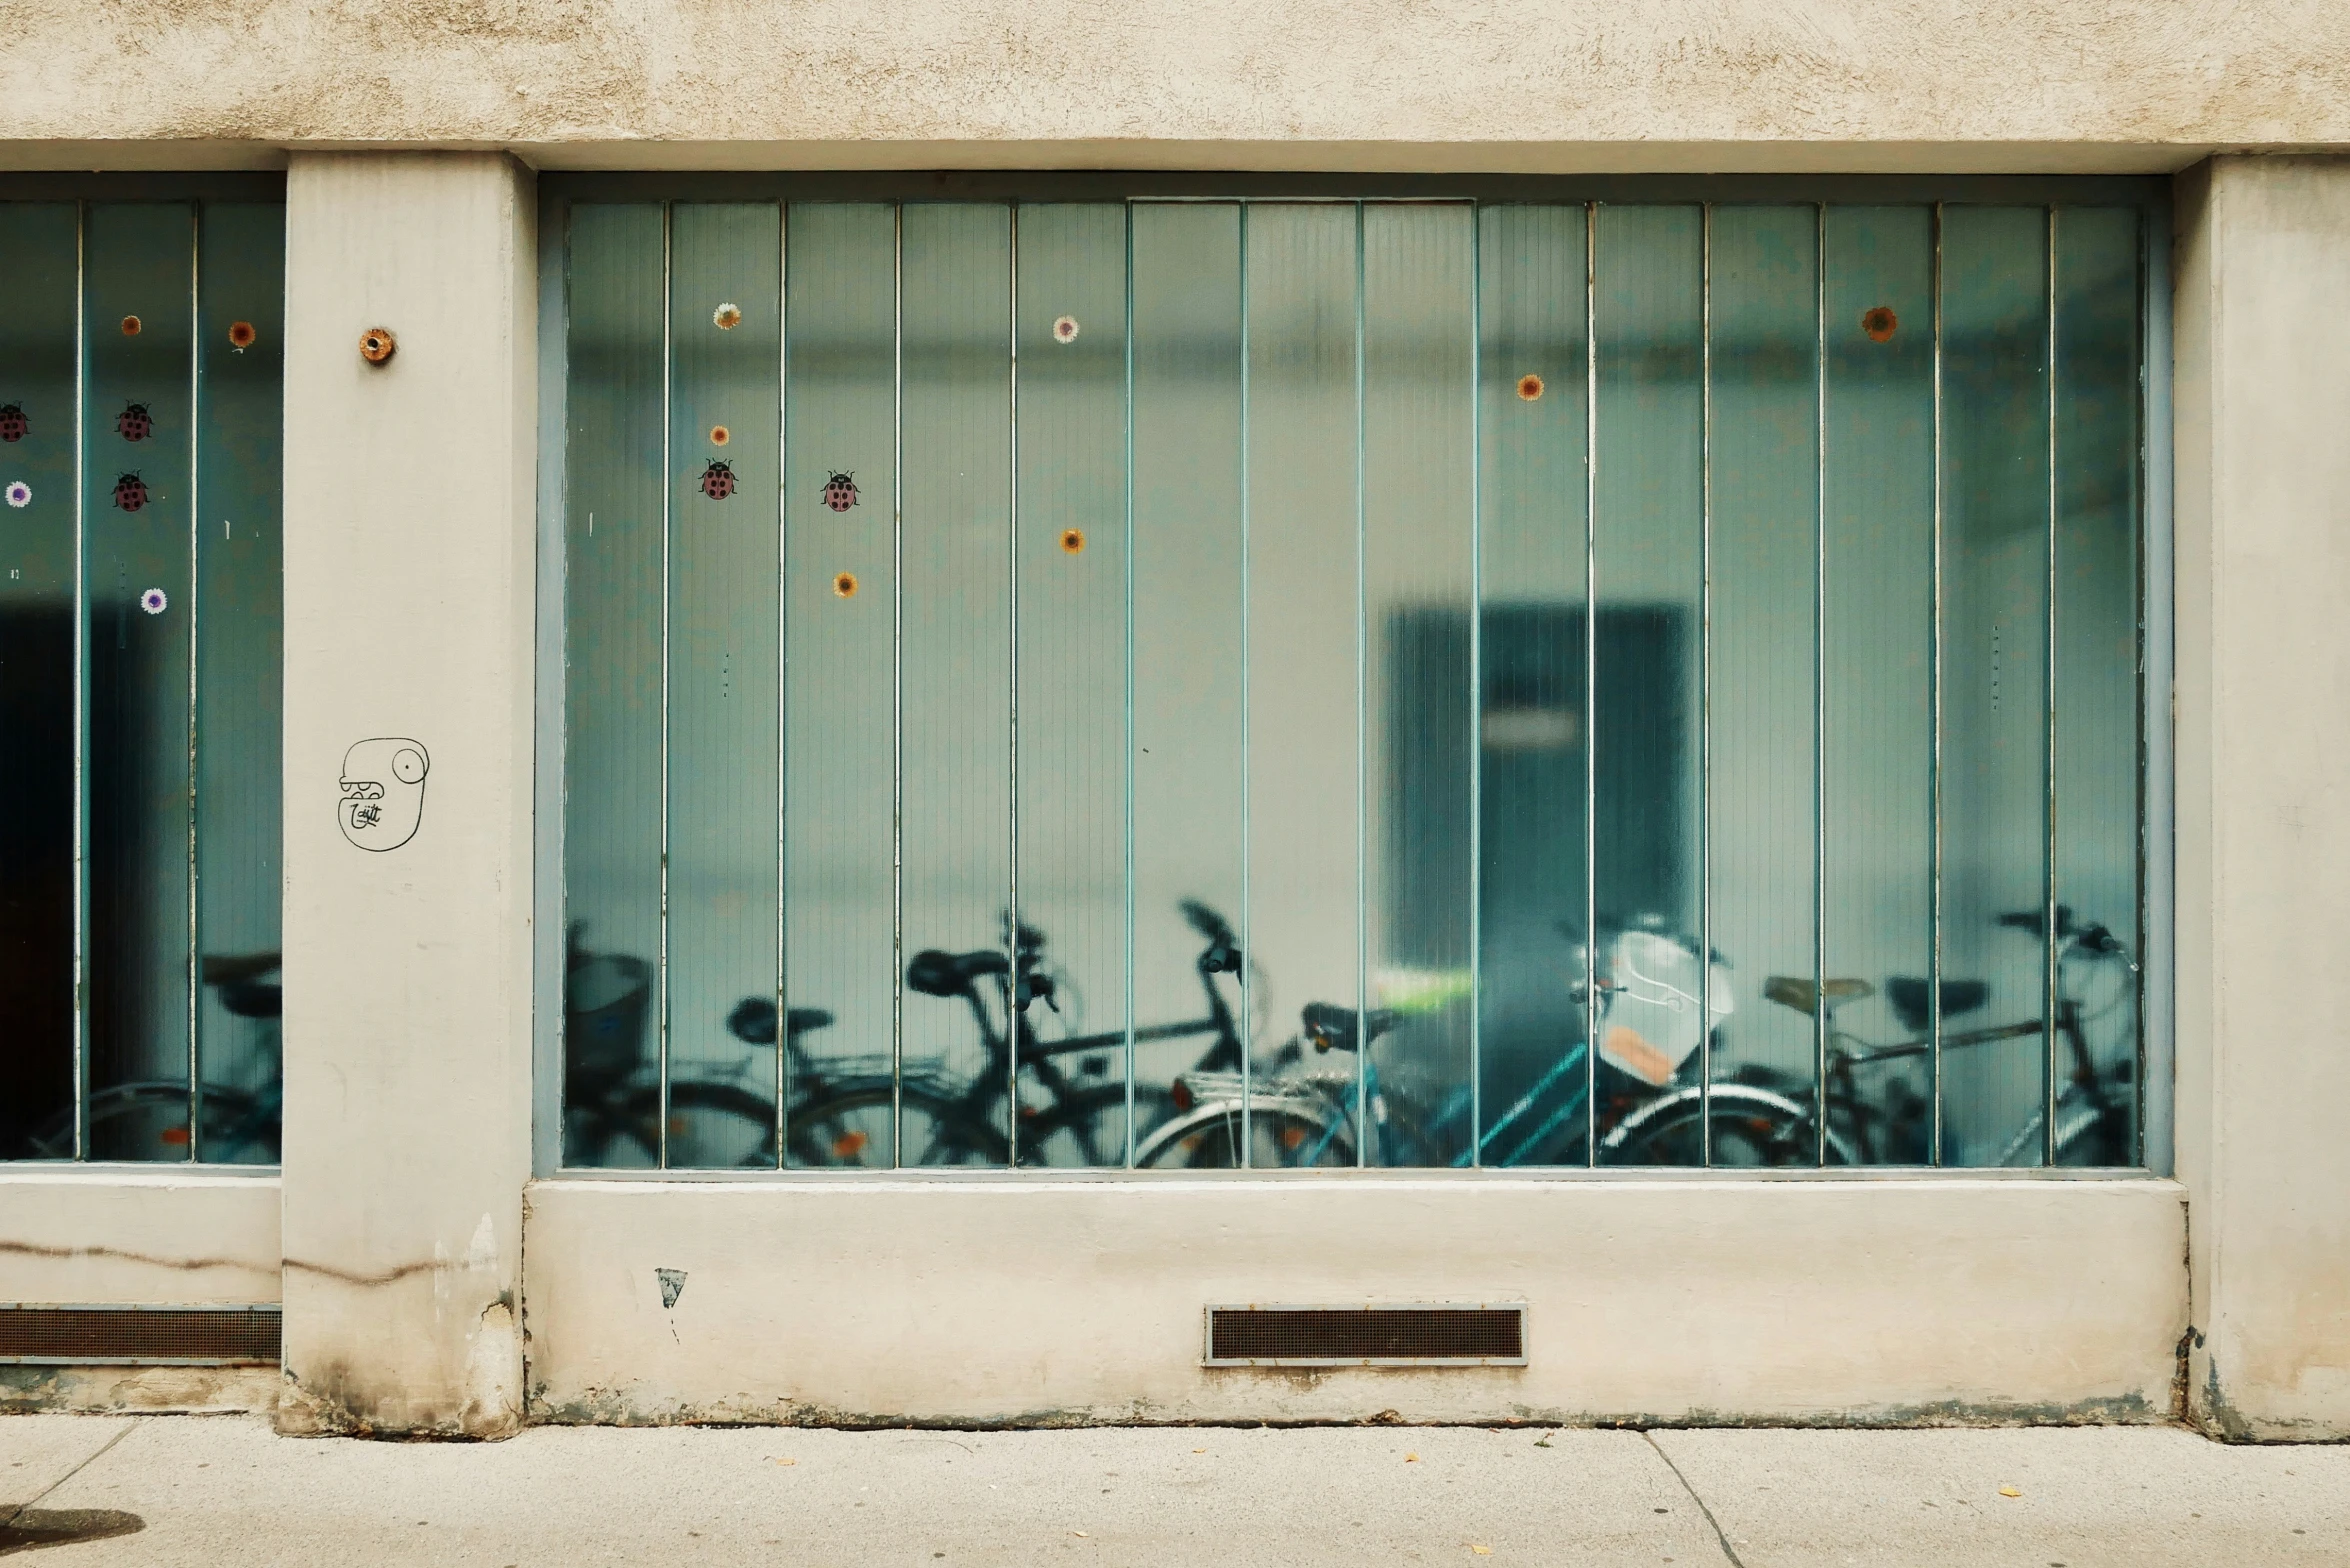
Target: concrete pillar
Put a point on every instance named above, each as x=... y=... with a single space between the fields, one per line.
x=408 y=771
x=2263 y=406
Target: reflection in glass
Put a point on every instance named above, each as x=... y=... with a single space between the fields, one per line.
x=37 y=331
x=1994 y=628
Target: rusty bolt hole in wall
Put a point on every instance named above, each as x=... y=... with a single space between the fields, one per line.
x=1412 y=1335
x=377 y=345
x=139 y=1336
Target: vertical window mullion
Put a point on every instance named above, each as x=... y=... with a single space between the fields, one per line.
x=668 y=371
x=81 y=684
x=2048 y=931
x=897 y=689
x=1363 y=1132
x=195 y=610
x=1934 y=679
x=1590 y=683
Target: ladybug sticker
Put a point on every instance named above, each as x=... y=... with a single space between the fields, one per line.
x=130 y=492
x=134 y=423
x=13 y=425
x=717 y=481
x=840 y=492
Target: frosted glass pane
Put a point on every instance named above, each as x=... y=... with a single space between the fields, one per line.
x=1995 y=561
x=2098 y=700
x=615 y=553
x=139 y=609
x=1189 y=757
x=839 y=621
x=1765 y=564
x=1072 y=679
x=37 y=246
x=1305 y=648
x=1648 y=546
x=1419 y=343
x=724 y=565
x=240 y=652
x=956 y=639
x=1531 y=548
x=1877 y=665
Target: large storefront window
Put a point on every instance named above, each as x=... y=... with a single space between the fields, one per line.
x=141 y=368
x=1208 y=683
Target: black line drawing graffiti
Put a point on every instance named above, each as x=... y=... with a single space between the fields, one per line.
x=383 y=792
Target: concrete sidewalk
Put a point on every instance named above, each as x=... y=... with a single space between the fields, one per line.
x=193 y=1491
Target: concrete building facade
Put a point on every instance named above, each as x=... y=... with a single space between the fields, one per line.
x=445 y=1267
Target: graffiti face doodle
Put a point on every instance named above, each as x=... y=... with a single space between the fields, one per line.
x=130 y=493
x=13 y=425
x=718 y=481
x=382 y=792
x=840 y=492
x=134 y=423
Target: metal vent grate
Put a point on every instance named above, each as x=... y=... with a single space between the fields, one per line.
x=139 y=1336
x=1412 y=1335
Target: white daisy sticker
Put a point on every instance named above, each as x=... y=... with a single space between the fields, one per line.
x=19 y=493
x=153 y=601
x=1064 y=329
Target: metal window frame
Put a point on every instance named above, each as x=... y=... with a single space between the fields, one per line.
x=2148 y=195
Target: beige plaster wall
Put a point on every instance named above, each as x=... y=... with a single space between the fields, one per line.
x=2263 y=401
x=1489 y=84
x=1672 y=1300
x=148 y=1238
x=409 y=595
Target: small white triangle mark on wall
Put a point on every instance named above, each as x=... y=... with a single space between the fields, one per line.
x=672 y=1285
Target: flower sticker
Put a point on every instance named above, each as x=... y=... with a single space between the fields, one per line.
x=240 y=335
x=1530 y=388
x=19 y=493
x=154 y=601
x=130 y=326
x=727 y=317
x=845 y=586
x=1064 y=329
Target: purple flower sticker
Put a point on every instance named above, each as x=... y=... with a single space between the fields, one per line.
x=19 y=493
x=153 y=601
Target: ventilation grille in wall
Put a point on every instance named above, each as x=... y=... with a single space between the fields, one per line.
x=139 y=1336
x=1406 y=1335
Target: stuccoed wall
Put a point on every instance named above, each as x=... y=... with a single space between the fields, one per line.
x=1490 y=84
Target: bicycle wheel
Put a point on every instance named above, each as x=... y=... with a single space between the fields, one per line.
x=149 y=1122
x=1751 y=1127
x=712 y=1126
x=1087 y=1129
x=848 y=1126
x=1279 y=1135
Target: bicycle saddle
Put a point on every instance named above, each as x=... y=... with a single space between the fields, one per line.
x=934 y=973
x=753 y=1020
x=1328 y=1026
x=1908 y=994
x=1796 y=991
